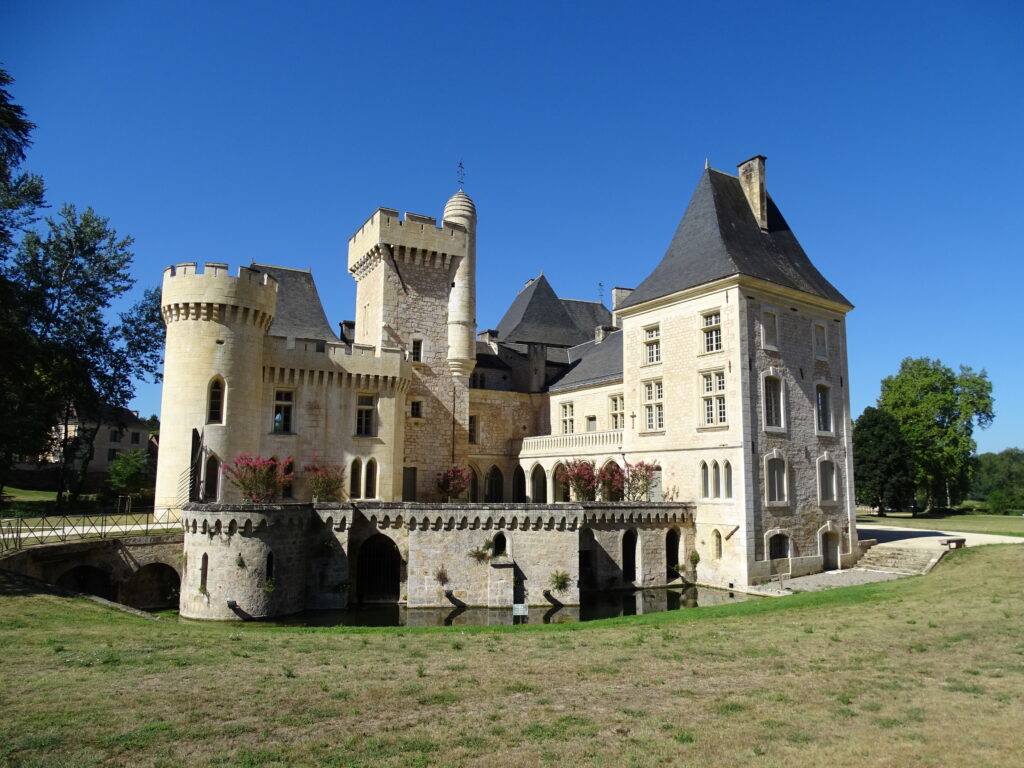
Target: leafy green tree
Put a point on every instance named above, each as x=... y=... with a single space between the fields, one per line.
x=937 y=410
x=21 y=193
x=131 y=472
x=999 y=479
x=883 y=462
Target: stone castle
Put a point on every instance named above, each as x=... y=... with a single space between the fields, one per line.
x=725 y=368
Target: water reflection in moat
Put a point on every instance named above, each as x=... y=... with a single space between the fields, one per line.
x=598 y=605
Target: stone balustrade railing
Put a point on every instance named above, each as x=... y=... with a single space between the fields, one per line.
x=578 y=443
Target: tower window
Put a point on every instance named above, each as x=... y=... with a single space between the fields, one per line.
x=773 y=402
x=473 y=430
x=365 y=412
x=823 y=401
x=567 y=419
x=283 y=411
x=770 y=329
x=215 y=402
x=416 y=409
x=417 y=350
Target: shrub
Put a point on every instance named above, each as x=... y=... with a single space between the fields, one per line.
x=259 y=479
x=694 y=558
x=610 y=482
x=441 y=576
x=559 y=581
x=581 y=476
x=454 y=482
x=326 y=481
x=638 y=481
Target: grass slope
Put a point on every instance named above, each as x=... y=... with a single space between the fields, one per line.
x=1003 y=525
x=919 y=672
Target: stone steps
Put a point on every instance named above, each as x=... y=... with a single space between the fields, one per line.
x=899 y=560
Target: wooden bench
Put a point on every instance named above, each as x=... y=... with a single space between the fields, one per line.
x=953 y=542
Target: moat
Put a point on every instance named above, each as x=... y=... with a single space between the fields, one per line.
x=593 y=605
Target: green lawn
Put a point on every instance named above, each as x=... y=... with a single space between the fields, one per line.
x=1005 y=525
x=922 y=671
x=18 y=494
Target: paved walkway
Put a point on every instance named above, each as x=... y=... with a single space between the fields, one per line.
x=887 y=536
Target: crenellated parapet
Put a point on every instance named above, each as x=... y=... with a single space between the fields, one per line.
x=213 y=294
x=417 y=239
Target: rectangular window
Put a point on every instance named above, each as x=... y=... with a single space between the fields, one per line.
x=654 y=408
x=712 y=325
x=283 y=411
x=769 y=329
x=617 y=407
x=823 y=401
x=714 y=404
x=366 y=411
x=567 y=420
x=591 y=423
x=772 y=401
x=652 y=345
x=826 y=481
x=417 y=350
x=820 y=341
x=115 y=436
x=472 y=429
x=135 y=438
x=776 y=480
x=416 y=409
x=112 y=454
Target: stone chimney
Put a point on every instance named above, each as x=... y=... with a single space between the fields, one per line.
x=751 y=174
x=619 y=295
x=601 y=332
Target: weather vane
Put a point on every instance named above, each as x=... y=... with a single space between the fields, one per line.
x=460 y=174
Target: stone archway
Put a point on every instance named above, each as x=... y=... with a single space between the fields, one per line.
x=378 y=570
x=629 y=547
x=494 y=485
x=89 y=579
x=153 y=586
x=539 y=483
x=519 y=486
x=829 y=551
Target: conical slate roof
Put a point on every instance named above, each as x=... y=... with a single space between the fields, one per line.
x=299 y=312
x=538 y=316
x=719 y=237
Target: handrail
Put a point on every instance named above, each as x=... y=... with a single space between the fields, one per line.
x=577 y=442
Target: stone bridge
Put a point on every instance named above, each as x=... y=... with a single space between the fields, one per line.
x=142 y=571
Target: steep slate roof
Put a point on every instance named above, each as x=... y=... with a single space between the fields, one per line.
x=538 y=316
x=299 y=312
x=719 y=236
x=593 y=363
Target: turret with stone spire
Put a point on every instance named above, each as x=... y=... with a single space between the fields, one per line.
x=462 y=296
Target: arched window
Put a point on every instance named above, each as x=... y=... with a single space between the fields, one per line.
x=211 y=479
x=561 y=478
x=215 y=402
x=716 y=544
x=203 y=572
x=705 y=484
x=538 y=485
x=494 y=486
x=270 y=565
x=775 y=478
x=728 y=479
x=474 y=485
x=370 y=487
x=518 y=486
x=778 y=546
x=716 y=480
x=356 y=479
x=500 y=545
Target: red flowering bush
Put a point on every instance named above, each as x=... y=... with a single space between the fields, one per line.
x=581 y=477
x=454 y=482
x=326 y=481
x=259 y=479
x=610 y=481
x=638 y=481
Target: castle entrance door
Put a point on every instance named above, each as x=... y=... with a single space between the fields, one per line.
x=379 y=571
x=830 y=551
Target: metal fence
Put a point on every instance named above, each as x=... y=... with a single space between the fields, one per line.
x=17 y=533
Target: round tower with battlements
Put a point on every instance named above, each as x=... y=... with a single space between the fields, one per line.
x=213 y=372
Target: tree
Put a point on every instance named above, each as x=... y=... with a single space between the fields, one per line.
x=937 y=410
x=21 y=194
x=130 y=472
x=883 y=462
x=999 y=480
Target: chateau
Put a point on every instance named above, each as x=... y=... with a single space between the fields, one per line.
x=725 y=367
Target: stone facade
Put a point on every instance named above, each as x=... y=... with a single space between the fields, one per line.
x=253 y=367
x=258 y=561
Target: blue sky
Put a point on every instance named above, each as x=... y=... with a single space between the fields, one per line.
x=232 y=131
